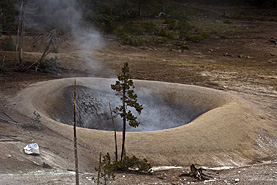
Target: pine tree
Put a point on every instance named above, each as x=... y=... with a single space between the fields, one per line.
x=124 y=87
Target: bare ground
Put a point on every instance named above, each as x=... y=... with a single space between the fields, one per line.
x=249 y=72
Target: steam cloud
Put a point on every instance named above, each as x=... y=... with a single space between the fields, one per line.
x=65 y=15
x=92 y=110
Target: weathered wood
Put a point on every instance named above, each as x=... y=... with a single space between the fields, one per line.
x=3 y=119
x=9 y=116
x=21 y=44
x=115 y=140
x=99 y=170
x=18 y=30
x=196 y=173
x=52 y=35
x=75 y=137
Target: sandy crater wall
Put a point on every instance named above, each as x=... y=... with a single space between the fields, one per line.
x=222 y=132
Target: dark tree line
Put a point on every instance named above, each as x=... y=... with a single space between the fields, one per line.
x=7 y=14
x=124 y=7
x=105 y=11
x=258 y=3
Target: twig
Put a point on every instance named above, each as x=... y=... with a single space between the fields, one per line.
x=9 y=116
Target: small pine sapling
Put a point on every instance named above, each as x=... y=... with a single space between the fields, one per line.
x=124 y=87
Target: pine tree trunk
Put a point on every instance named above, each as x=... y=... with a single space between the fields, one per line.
x=124 y=125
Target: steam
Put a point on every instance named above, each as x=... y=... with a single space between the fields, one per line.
x=65 y=15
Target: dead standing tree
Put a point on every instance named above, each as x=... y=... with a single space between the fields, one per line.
x=19 y=43
x=75 y=137
x=51 y=40
x=115 y=140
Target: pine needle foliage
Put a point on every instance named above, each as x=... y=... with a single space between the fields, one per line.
x=132 y=164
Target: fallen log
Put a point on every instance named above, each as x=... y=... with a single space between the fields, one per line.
x=196 y=173
x=3 y=119
x=9 y=116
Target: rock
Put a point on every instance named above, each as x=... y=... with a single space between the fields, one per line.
x=227 y=55
x=236 y=180
x=31 y=149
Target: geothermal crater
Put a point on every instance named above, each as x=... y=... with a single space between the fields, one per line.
x=197 y=124
x=92 y=109
x=166 y=105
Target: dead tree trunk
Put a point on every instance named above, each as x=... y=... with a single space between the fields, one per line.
x=52 y=35
x=46 y=50
x=18 y=31
x=16 y=46
x=99 y=170
x=21 y=43
x=115 y=140
x=75 y=138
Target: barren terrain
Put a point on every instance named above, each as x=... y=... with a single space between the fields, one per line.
x=248 y=70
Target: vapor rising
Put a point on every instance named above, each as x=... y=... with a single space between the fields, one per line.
x=92 y=110
x=93 y=105
x=65 y=15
